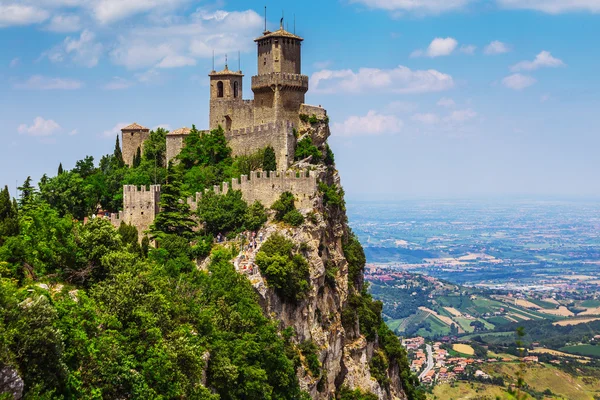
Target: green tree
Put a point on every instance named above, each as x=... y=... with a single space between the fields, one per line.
x=269 y=160
x=305 y=148
x=222 y=213
x=137 y=158
x=155 y=147
x=175 y=216
x=68 y=194
x=256 y=216
x=283 y=205
x=286 y=272
x=118 y=154
x=85 y=167
x=28 y=193
x=60 y=169
x=9 y=219
x=129 y=237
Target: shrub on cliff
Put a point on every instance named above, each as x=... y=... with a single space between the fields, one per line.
x=286 y=210
x=222 y=213
x=306 y=148
x=285 y=271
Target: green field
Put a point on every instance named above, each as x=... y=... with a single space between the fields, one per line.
x=544 y=304
x=583 y=349
x=590 y=303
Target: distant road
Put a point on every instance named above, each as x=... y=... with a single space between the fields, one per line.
x=429 y=366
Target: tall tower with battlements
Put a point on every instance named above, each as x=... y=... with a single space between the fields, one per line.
x=227 y=107
x=279 y=88
x=134 y=136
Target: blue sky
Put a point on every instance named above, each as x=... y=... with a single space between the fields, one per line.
x=431 y=98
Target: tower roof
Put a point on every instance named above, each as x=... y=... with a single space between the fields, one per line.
x=134 y=127
x=180 y=131
x=280 y=33
x=226 y=72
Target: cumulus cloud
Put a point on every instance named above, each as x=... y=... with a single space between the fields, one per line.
x=85 y=50
x=553 y=6
x=19 y=14
x=544 y=59
x=118 y=83
x=115 y=130
x=180 y=44
x=416 y=6
x=426 y=118
x=108 y=11
x=371 y=124
x=439 y=47
x=65 y=23
x=397 y=80
x=496 y=47
x=40 y=127
x=39 y=82
x=518 y=81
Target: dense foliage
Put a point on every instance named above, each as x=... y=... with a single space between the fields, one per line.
x=286 y=271
x=285 y=210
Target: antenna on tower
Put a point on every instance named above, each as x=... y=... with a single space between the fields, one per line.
x=265 y=18
x=226 y=61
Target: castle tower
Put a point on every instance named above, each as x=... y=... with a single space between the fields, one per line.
x=133 y=137
x=279 y=88
x=225 y=98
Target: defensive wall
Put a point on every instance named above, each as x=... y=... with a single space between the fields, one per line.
x=317 y=111
x=176 y=141
x=279 y=135
x=141 y=204
x=268 y=187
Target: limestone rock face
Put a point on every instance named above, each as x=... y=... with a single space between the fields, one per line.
x=11 y=382
x=344 y=356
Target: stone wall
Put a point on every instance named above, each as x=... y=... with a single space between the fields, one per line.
x=140 y=206
x=131 y=141
x=231 y=113
x=267 y=189
x=317 y=111
x=175 y=143
x=278 y=135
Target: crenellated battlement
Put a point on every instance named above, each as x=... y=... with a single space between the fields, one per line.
x=280 y=79
x=268 y=187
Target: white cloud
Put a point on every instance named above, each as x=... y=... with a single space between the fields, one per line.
x=39 y=82
x=65 y=23
x=416 y=6
x=553 y=6
x=108 y=11
x=518 y=81
x=446 y=102
x=437 y=48
x=496 y=47
x=40 y=127
x=149 y=76
x=426 y=118
x=371 y=124
x=19 y=14
x=85 y=50
x=115 y=130
x=397 y=80
x=14 y=62
x=118 y=83
x=544 y=59
x=461 y=115
x=179 y=44
x=468 y=49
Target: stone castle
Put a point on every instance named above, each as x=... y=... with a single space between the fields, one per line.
x=270 y=119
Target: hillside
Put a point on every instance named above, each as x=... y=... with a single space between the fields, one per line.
x=90 y=311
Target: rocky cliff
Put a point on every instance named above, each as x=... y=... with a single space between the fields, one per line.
x=336 y=314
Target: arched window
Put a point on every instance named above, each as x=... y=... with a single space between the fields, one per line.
x=235 y=89
x=219 y=89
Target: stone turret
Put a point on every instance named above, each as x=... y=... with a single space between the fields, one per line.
x=134 y=136
x=226 y=100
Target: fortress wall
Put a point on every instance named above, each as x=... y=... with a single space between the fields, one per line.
x=240 y=112
x=140 y=206
x=279 y=135
x=268 y=189
x=174 y=146
x=309 y=110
